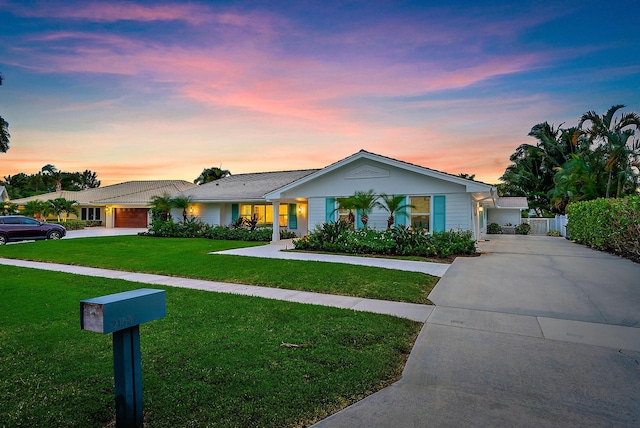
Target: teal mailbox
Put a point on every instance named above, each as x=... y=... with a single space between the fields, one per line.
x=122 y=314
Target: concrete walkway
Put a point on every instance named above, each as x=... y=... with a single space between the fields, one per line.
x=535 y=333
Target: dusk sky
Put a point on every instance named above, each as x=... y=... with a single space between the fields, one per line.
x=160 y=90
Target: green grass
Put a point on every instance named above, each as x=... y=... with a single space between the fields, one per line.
x=188 y=257
x=215 y=360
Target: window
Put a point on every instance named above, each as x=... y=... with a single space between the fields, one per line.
x=284 y=215
x=262 y=211
x=421 y=212
x=90 y=214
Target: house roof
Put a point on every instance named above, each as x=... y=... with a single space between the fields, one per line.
x=471 y=186
x=244 y=187
x=4 y=196
x=130 y=192
x=512 y=202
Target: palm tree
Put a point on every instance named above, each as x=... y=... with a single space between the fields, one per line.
x=55 y=174
x=393 y=204
x=88 y=180
x=161 y=206
x=613 y=135
x=37 y=209
x=364 y=202
x=8 y=208
x=211 y=174
x=61 y=205
x=4 y=131
x=347 y=204
x=181 y=202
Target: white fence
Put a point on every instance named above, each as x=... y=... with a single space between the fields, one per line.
x=540 y=226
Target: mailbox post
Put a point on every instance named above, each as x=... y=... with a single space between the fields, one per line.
x=122 y=314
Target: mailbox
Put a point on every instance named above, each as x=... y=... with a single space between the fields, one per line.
x=122 y=314
x=118 y=311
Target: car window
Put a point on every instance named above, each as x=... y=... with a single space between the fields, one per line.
x=30 y=221
x=12 y=220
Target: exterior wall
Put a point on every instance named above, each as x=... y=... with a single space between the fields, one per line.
x=503 y=216
x=316 y=212
x=458 y=214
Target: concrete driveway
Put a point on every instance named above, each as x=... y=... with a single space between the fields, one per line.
x=538 y=332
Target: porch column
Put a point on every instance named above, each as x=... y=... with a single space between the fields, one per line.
x=276 y=222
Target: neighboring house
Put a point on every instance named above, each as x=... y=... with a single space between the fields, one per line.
x=303 y=199
x=119 y=205
x=4 y=196
x=506 y=211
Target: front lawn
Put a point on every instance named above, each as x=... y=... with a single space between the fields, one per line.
x=215 y=360
x=188 y=257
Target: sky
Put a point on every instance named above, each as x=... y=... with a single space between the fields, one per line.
x=149 y=90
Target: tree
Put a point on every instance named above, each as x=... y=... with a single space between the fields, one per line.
x=88 y=180
x=615 y=135
x=52 y=175
x=62 y=206
x=181 y=202
x=161 y=207
x=347 y=204
x=4 y=131
x=37 y=209
x=8 y=208
x=394 y=204
x=211 y=174
x=364 y=202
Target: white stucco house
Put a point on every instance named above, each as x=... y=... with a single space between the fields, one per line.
x=301 y=199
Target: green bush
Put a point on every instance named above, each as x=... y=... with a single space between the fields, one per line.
x=554 y=233
x=494 y=228
x=523 y=229
x=70 y=224
x=611 y=225
x=403 y=241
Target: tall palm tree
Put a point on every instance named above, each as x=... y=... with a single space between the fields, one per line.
x=393 y=204
x=211 y=174
x=4 y=131
x=614 y=134
x=364 y=202
x=62 y=206
x=37 y=209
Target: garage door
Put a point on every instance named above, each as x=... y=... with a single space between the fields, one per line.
x=130 y=217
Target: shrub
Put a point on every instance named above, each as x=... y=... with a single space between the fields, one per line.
x=226 y=233
x=554 y=233
x=70 y=224
x=400 y=240
x=494 y=228
x=611 y=225
x=523 y=229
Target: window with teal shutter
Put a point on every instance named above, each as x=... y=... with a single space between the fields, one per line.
x=293 y=216
x=330 y=208
x=235 y=212
x=439 y=213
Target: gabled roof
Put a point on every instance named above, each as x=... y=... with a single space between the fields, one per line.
x=130 y=192
x=244 y=187
x=470 y=185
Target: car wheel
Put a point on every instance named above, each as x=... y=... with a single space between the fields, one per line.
x=3 y=239
x=54 y=234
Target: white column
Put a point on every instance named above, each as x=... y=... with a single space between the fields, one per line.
x=276 y=222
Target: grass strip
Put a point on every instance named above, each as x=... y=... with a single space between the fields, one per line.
x=188 y=257
x=215 y=360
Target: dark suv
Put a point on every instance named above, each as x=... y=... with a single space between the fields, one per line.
x=21 y=228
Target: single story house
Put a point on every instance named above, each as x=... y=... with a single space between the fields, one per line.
x=302 y=199
x=119 y=205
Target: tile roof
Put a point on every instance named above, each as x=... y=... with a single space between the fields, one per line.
x=512 y=202
x=130 y=192
x=244 y=187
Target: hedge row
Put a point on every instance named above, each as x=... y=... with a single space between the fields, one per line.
x=611 y=225
x=195 y=228
x=338 y=237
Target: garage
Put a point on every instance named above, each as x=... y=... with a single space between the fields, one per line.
x=130 y=217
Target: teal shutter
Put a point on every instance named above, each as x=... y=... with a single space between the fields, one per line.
x=235 y=212
x=330 y=207
x=401 y=216
x=359 y=224
x=293 y=216
x=439 y=213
